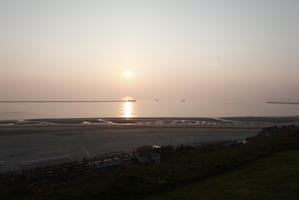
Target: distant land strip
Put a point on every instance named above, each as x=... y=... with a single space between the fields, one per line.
x=93 y=101
x=281 y=102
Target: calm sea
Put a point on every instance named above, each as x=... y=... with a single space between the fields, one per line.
x=144 y=108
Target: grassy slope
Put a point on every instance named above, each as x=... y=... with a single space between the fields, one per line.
x=274 y=177
x=266 y=170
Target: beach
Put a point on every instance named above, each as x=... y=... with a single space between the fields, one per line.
x=84 y=137
x=37 y=139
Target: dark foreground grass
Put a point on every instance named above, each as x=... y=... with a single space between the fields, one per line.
x=267 y=169
x=274 y=177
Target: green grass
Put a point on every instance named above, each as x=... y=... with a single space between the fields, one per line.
x=274 y=177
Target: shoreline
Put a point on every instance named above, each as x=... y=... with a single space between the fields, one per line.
x=123 y=120
x=39 y=138
x=85 y=124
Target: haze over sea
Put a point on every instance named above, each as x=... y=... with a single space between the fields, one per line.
x=145 y=108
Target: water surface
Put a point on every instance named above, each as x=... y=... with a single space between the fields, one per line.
x=148 y=108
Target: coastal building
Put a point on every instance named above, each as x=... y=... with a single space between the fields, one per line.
x=148 y=154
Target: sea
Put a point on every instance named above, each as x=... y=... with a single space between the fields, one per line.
x=144 y=108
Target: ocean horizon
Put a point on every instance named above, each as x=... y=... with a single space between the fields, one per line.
x=20 y=110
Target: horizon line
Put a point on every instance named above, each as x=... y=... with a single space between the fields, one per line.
x=74 y=101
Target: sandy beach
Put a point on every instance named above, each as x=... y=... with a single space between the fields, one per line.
x=82 y=137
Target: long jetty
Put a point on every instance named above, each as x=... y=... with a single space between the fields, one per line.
x=91 y=101
x=282 y=102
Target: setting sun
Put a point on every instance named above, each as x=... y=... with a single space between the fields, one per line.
x=128 y=74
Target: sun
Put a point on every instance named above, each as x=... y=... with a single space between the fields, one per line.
x=128 y=74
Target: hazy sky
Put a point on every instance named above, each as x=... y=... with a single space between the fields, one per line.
x=79 y=49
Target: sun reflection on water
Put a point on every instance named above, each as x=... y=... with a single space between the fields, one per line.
x=127 y=110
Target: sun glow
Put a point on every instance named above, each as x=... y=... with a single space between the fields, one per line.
x=128 y=110
x=128 y=74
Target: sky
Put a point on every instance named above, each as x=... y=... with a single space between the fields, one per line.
x=172 y=49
